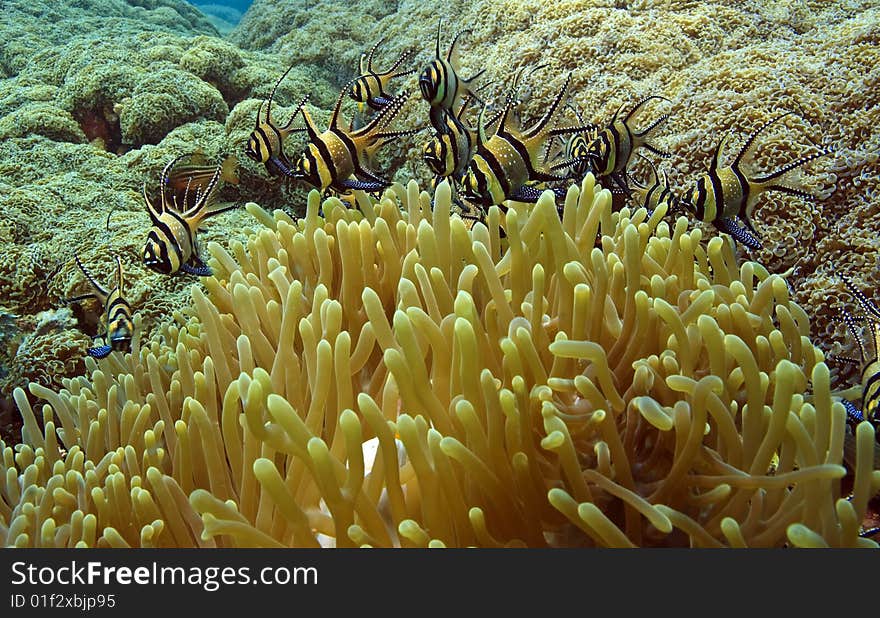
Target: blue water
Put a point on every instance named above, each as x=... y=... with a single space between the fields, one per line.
x=241 y=5
x=223 y=13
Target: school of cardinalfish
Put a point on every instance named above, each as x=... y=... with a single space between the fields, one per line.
x=487 y=163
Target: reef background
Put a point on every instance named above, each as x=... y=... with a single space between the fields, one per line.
x=86 y=119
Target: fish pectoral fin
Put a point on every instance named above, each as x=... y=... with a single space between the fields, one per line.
x=279 y=166
x=197 y=267
x=526 y=193
x=377 y=103
x=363 y=185
x=853 y=413
x=739 y=234
x=100 y=351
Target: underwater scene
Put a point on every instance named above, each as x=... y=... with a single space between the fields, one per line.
x=495 y=273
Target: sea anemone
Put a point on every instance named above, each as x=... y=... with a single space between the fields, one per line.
x=385 y=376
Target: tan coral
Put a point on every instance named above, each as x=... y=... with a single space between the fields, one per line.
x=588 y=380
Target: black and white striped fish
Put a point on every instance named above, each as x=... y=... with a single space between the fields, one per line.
x=441 y=85
x=509 y=164
x=450 y=151
x=117 y=318
x=370 y=87
x=266 y=142
x=187 y=196
x=575 y=153
x=724 y=194
x=613 y=147
x=336 y=155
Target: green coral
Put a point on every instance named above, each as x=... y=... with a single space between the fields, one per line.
x=166 y=99
x=41 y=119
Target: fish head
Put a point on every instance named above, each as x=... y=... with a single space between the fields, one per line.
x=255 y=148
x=429 y=82
x=120 y=332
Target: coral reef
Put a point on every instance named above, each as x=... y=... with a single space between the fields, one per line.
x=97 y=97
x=386 y=377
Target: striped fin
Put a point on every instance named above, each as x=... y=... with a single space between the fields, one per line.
x=272 y=96
x=204 y=201
x=391 y=72
x=120 y=282
x=853 y=413
x=639 y=105
x=310 y=124
x=716 y=157
x=383 y=118
x=369 y=57
x=451 y=52
x=91 y=279
x=789 y=167
x=289 y=128
x=101 y=351
x=750 y=140
x=739 y=234
x=853 y=329
x=154 y=212
x=437 y=45
x=551 y=111
x=867 y=306
x=335 y=123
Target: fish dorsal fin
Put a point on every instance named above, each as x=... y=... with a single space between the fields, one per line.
x=164 y=179
x=205 y=197
x=120 y=282
x=91 y=279
x=154 y=212
x=310 y=125
x=451 y=56
x=510 y=101
x=716 y=157
x=259 y=119
x=400 y=60
x=437 y=44
x=551 y=110
x=869 y=308
x=188 y=181
x=272 y=95
x=481 y=128
x=641 y=104
x=289 y=128
x=750 y=140
x=335 y=124
x=370 y=55
x=616 y=114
